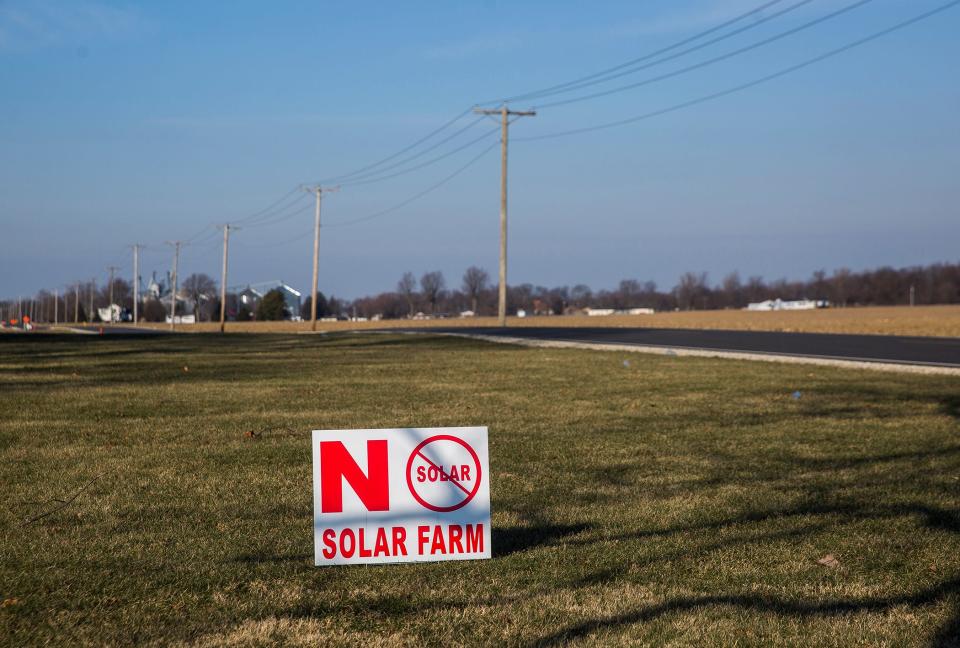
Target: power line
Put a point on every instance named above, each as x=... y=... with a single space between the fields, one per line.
x=298 y=237
x=424 y=164
x=716 y=59
x=543 y=91
x=206 y=238
x=750 y=84
x=278 y=208
x=266 y=213
x=412 y=146
x=369 y=170
x=633 y=70
x=281 y=217
x=420 y=154
x=388 y=210
x=415 y=197
x=295 y=190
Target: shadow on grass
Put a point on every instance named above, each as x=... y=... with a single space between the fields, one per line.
x=512 y=540
x=760 y=603
x=951 y=406
x=931 y=517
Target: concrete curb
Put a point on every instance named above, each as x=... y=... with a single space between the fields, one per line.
x=712 y=353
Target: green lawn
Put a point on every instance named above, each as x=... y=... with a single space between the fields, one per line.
x=661 y=500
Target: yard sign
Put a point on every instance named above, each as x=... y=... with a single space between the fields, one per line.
x=401 y=495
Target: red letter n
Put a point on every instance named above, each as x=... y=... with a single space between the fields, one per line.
x=336 y=464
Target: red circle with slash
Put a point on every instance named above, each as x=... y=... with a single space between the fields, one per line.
x=444 y=476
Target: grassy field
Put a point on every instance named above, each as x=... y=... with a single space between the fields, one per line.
x=640 y=499
x=943 y=321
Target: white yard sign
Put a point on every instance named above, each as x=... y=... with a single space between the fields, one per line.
x=401 y=495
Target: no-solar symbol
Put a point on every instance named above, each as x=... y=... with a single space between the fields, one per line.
x=443 y=473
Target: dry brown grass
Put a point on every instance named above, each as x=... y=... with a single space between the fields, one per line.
x=941 y=321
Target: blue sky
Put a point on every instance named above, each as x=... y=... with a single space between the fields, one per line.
x=143 y=122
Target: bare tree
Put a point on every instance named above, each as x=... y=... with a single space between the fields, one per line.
x=691 y=287
x=581 y=295
x=432 y=284
x=475 y=282
x=122 y=293
x=841 y=285
x=199 y=287
x=407 y=287
x=629 y=293
x=732 y=289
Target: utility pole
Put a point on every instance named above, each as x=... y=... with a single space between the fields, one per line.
x=173 y=281
x=223 y=276
x=112 y=269
x=136 y=283
x=319 y=191
x=76 y=303
x=93 y=284
x=505 y=114
x=912 y=294
x=56 y=306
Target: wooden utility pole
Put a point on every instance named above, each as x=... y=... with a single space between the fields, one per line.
x=223 y=276
x=76 y=303
x=318 y=191
x=136 y=283
x=93 y=285
x=173 y=282
x=56 y=306
x=112 y=269
x=505 y=114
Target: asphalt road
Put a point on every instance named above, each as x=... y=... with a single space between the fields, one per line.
x=931 y=351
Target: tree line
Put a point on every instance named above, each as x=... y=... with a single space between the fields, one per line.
x=430 y=295
x=937 y=283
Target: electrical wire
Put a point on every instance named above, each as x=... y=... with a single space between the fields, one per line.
x=279 y=218
x=633 y=67
x=723 y=57
x=750 y=84
x=417 y=196
x=377 y=168
x=550 y=89
x=443 y=127
x=425 y=164
x=290 y=200
x=270 y=207
x=273 y=244
x=392 y=208
x=419 y=154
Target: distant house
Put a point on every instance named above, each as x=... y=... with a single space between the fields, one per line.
x=781 y=305
x=541 y=307
x=250 y=297
x=160 y=291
